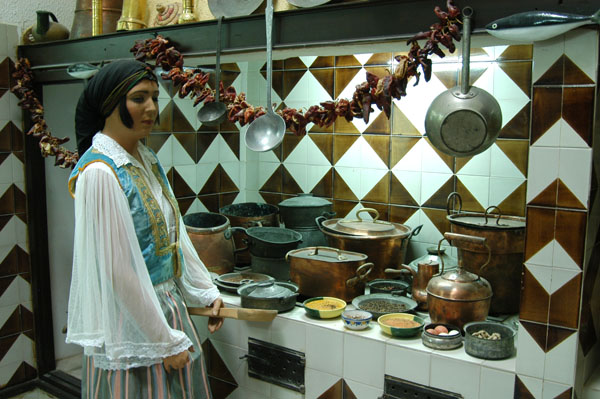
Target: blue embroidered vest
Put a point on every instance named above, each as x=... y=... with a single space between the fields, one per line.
x=162 y=257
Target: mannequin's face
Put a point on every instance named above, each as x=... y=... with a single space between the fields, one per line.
x=142 y=104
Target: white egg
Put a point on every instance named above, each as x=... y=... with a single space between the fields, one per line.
x=453 y=332
x=444 y=334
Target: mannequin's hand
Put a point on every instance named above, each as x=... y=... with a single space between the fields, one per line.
x=177 y=361
x=214 y=322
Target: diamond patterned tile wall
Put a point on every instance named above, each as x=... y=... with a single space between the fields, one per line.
x=17 y=362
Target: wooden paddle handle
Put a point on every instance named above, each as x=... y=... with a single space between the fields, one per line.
x=230 y=313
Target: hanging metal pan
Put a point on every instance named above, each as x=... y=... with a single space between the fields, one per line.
x=233 y=8
x=307 y=3
x=464 y=120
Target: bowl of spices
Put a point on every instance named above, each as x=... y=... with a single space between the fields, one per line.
x=324 y=307
x=489 y=340
x=401 y=325
x=356 y=319
x=383 y=286
x=441 y=336
x=381 y=304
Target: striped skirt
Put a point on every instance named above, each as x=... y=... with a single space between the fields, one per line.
x=153 y=382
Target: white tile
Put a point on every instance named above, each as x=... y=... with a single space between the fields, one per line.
x=314 y=155
x=569 y=137
x=502 y=166
x=314 y=174
x=369 y=179
x=545 y=54
x=165 y=154
x=431 y=183
x=17 y=351
x=575 y=171
x=316 y=92
x=180 y=155
x=230 y=333
x=479 y=186
x=203 y=172
x=363 y=391
x=412 y=160
x=411 y=180
x=530 y=357
x=278 y=392
x=265 y=171
x=364 y=360
x=186 y=106
x=552 y=136
x=552 y=390
x=542 y=170
x=7 y=370
x=429 y=232
x=20 y=232
x=506 y=365
x=4 y=44
x=299 y=173
x=431 y=161
x=560 y=277
x=243 y=393
x=418 y=99
x=352 y=177
x=478 y=165
x=361 y=155
x=324 y=350
x=408 y=364
x=6 y=170
x=288 y=333
x=581 y=46
x=502 y=187
x=560 y=362
x=533 y=385
x=201 y=323
x=253 y=329
x=12 y=40
x=455 y=376
x=317 y=382
x=6 y=312
x=24 y=290
x=189 y=175
x=212 y=153
x=10 y=296
x=496 y=384
x=543 y=274
x=508 y=94
x=544 y=256
x=231 y=357
x=233 y=171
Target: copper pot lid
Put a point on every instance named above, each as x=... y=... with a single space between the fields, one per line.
x=304 y=200
x=363 y=227
x=237 y=279
x=326 y=254
x=459 y=285
x=484 y=221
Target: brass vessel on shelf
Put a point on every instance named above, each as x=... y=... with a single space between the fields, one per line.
x=133 y=16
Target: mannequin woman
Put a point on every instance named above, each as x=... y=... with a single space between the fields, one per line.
x=134 y=266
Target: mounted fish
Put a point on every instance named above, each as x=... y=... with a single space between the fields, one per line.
x=533 y=26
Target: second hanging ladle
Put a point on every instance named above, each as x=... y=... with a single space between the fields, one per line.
x=214 y=113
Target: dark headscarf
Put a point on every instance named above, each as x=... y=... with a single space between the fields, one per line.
x=102 y=94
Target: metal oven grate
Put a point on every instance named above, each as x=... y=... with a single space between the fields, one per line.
x=397 y=388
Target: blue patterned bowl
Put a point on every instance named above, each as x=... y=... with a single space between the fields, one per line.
x=356 y=319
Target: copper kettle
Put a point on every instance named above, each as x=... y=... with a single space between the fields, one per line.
x=458 y=296
x=425 y=271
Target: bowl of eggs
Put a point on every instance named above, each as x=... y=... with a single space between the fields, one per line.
x=400 y=325
x=441 y=336
x=324 y=307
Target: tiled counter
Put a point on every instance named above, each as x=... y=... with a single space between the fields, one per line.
x=353 y=360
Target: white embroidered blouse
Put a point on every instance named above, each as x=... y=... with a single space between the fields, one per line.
x=114 y=310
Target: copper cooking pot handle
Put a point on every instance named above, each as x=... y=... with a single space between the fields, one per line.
x=361 y=274
x=368 y=210
x=487 y=211
x=230 y=232
x=463 y=237
x=336 y=250
x=450 y=197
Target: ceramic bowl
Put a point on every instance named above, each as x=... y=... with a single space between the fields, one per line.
x=356 y=319
x=488 y=348
x=389 y=324
x=442 y=342
x=324 y=307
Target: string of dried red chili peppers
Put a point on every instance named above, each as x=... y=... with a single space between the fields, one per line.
x=378 y=91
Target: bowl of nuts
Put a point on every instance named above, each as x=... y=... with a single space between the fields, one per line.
x=489 y=340
x=441 y=336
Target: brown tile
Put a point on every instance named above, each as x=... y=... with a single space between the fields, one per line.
x=518 y=126
x=3 y=220
x=180 y=187
x=294 y=63
x=341 y=208
x=400 y=214
x=535 y=300
x=23 y=260
x=567 y=394
x=271 y=198
x=547 y=103
x=230 y=67
x=228 y=77
x=449 y=160
x=212 y=184
x=553 y=75
x=438 y=218
x=290 y=141
x=25 y=372
x=565 y=197
x=289 y=184
x=20 y=200
x=440 y=198
x=274 y=183
x=290 y=80
x=341 y=189
x=20 y=156
x=325 y=129
x=399 y=195
x=203 y=142
x=233 y=141
x=449 y=77
x=324 y=188
x=517 y=52
x=7 y=201
x=276 y=82
x=587 y=331
x=156 y=140
x=380 y=125
x=557 y=335
x=383 y=210
x=381 y=146
x=381 y=191
x=26 y=318
x=323 y=62
x=521 y=391
x=341 y=125
x=564 y=304
x=6 y=343
x=165 y=119
x=400 y=147
x=324 y=142
x=540 y=229
x=520 y=73
x=570 y=233
x=339 y=390
x=548 y=196
x=5 y=72
x=6 y=137
x=12 y=325
x=346 y=60
x=469 y=203
x=210 y=201
x=401 y=124
x=26 y=277
x=180 y=122
x=5 y=282
x=219 y=388
x=537 y=331
x=343 y=76
x=578 y=110
x=184 y=204
x=188 y=142
x=227 y=185
x=476 y=70
x=10 y=264
x=227 y=127
x=384 y=59
x=517 y=151
x=227 y=198
x=341 y=144
x=17 y=140
x=574 y=75
x=325 y=77
x=514 y=204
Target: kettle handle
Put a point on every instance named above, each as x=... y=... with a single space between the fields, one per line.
x=465 y=238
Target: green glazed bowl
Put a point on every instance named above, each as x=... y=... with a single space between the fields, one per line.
x=400 y=332
x=335 y=307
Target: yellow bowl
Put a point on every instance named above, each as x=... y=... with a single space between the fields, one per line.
x=324 y=307
x=391 y=328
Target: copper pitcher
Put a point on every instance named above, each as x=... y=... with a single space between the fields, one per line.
x=425 y=271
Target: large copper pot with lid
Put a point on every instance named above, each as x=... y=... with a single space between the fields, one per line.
x=506 y=238
x=457 y=297
x=383 y=242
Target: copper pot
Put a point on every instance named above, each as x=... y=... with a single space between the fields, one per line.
x=425 y=272
x=458 y=297
x=207 y=232
x=506 y=238
x=324 y=271
x=383 y=242
x=249 y=214
x=82 y=20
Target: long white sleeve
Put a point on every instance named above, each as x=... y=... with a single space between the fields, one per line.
x=113 y=308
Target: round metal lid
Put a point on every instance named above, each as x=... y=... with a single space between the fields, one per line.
x=304 y=200
x=269 y=289
x=237 y=279
x=364 y=227
x=488 y=220
x=326 y=254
